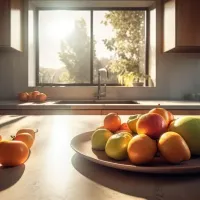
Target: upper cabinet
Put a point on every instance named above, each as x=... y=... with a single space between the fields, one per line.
x=10 y=24
x=181 y=26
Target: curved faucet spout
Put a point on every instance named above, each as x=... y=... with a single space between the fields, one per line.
x=101 y=93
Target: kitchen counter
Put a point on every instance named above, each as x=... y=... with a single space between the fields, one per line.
x=141 y=105
x=55 y=172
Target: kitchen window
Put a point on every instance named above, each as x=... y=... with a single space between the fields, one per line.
x=71 y=45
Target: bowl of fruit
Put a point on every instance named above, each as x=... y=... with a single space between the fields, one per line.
x=154 y=142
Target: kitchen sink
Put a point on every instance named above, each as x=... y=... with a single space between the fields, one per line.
x=96 y=102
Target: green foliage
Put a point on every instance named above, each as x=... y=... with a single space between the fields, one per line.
x=129 y=40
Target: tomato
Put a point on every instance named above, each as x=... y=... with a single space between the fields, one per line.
x=13 y=153
x=26 y=138
x=27 y=130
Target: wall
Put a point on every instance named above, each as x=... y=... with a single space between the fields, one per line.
x=176 y=74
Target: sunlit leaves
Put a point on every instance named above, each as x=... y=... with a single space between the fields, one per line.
x=129 y=28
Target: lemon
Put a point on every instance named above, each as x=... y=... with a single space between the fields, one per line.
x=116 y=146
x=99 y=138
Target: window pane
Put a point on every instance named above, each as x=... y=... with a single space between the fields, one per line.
x=64 y=46
x=119 y=44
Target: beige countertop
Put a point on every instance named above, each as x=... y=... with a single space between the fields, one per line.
x=55 y=172
x=148 y=104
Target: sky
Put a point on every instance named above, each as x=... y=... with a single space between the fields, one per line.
x=55 y=25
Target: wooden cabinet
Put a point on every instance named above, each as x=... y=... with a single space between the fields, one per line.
x=11 y=24
x=181 y=26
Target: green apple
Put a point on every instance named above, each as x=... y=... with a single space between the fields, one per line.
x=116 y=146
x=99 y=138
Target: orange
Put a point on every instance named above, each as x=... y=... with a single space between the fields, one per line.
x=35 y=94
x=173 y=147
x=112 y=122
x=27 y=130
x=23 y=96
x=41 y=97
x=141 y=149
x=26 y=138
x=30 y=96
x=124 y=127
x=13 y=153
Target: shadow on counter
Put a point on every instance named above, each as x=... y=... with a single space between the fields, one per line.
x=10 y=175
x=148 y=186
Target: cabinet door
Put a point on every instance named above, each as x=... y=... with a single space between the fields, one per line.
x=4 y=23
x=181 y=26
x=11 y=24
x=16 y=24
x=188 y=27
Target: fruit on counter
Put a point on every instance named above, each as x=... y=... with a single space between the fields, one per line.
x=41 y=97
x=13 y=153
x=26 y=138
x=23 y=96
x=189 y=128
x=173 y=148
x=151 y=124
x=162 y=112
x=141 y=149
x=30 y=96
x=35 y=94
x=116 y=146
x=100 y=138
x=132 y=122
x=112 y=122
x=27 y=130
x=124 y=127
x=0 y=137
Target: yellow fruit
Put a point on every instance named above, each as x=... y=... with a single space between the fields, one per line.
x=141 y=149
x=173 y=147
x=116 y=146
x=132 y=122
x=99 y=138
x=27 y=130
x=188 y=127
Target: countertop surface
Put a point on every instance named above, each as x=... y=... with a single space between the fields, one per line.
x=147 y=104
x=55 y=172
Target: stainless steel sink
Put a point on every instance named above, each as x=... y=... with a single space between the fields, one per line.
x=96 y=102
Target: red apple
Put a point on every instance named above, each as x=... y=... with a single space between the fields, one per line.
x=151 y=124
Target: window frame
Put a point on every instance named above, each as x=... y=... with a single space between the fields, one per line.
x=91 y=9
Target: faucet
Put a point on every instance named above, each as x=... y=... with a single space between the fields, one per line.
x=101 y=93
